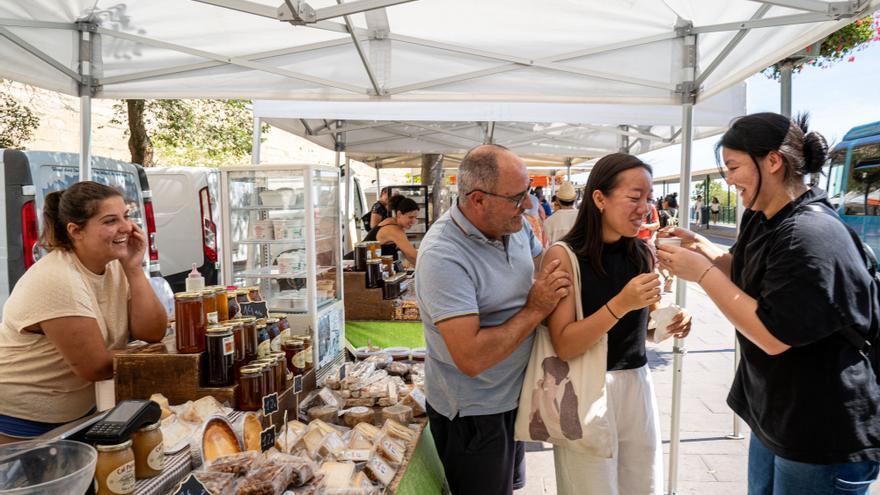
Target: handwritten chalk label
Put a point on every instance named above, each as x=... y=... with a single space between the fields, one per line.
x=191 y=486
x=270 y=404
x=267 y=438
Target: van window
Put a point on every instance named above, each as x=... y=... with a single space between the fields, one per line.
x=863 y=186
x=835 y=177
x=57 y=177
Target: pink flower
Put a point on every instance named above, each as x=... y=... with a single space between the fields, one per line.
x=851 y=59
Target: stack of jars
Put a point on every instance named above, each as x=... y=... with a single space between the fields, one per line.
x=119 y=465
x=298 y=354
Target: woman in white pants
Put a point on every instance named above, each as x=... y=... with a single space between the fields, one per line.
x=618 y=285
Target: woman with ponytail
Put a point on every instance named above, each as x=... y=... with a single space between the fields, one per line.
x=796 y=288
x=70 y=311
x=391 y=232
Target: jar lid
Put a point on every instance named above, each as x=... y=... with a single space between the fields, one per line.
x=373 y=262
x=219 y=330
x=280 y=316
x=188 y=295
x=245 y=319
x=113 y=448
x=241 y=292
x=219 y=289
x=387 y=257
x=253 y=287
x=251 y=370
x=209 y=291
x=150 y=427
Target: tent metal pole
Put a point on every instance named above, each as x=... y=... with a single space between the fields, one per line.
x=737 y=351
x=348 y=201
x=678 y=348
x=255 y=147
x=785 y=89
x=85 y=103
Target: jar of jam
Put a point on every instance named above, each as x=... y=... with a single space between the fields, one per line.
x=291 y=347
x=280 y=371
x=264 y=345
x=149 y=451
x=374 y=249
x=298 y=358
x=274 y=334
x=190 y=322
x=251 y=338
x=250 y=388
x=220 y=346
x=388 y=265
x=237 y=329
x=254 y=293
x=309 y=353
x=232 y=304
x=283 y=324
x=361 y=254
x=267 y=368
x=241 y=295
x=374 y=274
x=114 y=470
x=210 y=306
x=222 y=303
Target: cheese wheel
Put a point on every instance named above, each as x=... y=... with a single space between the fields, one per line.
x=328 y=414
x=357 y=415
x=400 y=413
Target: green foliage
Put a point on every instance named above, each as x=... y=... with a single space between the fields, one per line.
x=17 y=122
x=198 y=132
x=839 y=45
x=717 y=189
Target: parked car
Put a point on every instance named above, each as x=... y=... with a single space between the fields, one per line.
x=28 y=176
x=187 y=222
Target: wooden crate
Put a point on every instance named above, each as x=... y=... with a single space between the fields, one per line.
x=176 y=376
x=362 y=303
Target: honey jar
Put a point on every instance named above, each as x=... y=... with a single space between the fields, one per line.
x=190 y=322
x=115 y=470
x=149 y=451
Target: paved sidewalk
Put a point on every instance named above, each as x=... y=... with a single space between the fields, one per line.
x=709 y=461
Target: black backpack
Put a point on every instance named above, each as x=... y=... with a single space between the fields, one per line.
x=868 y=345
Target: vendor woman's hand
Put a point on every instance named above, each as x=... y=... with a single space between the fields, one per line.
x=681 y=262
x=680 y=326
x=689 y=240
x=137 y=245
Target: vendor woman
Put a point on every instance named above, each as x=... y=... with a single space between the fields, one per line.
x=391 y=232
x=70 y=311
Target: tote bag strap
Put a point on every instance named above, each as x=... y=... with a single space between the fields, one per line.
x=575 y=279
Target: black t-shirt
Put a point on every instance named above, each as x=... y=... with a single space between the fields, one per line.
x=389 y=248
x=817 y=402
x=626 y=339
x=379 y=209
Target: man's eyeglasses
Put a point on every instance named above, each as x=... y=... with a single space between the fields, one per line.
x=517 y=199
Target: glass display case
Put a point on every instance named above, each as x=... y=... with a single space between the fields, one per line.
x=283 y=234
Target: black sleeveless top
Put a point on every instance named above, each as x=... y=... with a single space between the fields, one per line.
x=389 y=249
x=626 y=339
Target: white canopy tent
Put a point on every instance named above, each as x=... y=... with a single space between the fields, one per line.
x=395 y=133
x=633 y=52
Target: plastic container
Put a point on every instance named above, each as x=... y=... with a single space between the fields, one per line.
x=59 y=467
x=195 y=280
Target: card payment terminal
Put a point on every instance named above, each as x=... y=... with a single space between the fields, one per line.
x=128 y=416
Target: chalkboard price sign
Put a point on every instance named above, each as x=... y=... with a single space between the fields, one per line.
x=267 y=438
x=270 y=404
x=297 y=384
x=256 y=309
x=191 y=486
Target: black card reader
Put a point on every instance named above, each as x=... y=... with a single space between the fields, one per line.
x=128 y=416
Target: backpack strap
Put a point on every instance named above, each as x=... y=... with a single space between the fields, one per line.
x=856 y=338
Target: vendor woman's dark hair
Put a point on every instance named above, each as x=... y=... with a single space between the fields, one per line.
x=585 y=237
x=401 y=204
x=76 y=204
x=758 y=134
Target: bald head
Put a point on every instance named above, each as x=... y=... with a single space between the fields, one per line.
x=482 y=167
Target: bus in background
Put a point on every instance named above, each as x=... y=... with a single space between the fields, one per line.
x=853 y=181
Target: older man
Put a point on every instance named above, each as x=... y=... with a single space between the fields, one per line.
x=479 y=307
x=562 y=219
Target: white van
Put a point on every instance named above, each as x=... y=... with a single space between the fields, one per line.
x=187 y=222
x=26 y=179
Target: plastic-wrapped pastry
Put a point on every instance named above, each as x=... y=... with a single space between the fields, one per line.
x=237 y=464
x=397 y=369
x=303 y=468
x=399 y=413
x=216 y=483
x=357 y=415
x=270 y=479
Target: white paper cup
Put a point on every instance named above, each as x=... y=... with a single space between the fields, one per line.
x=669 y=241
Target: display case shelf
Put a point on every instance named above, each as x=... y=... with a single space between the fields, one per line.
x=274 y=272
x=295 y=242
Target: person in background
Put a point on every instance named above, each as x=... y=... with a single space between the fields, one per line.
x=480 y=306
x=391 y=232
x=379 y=211
x=698 y=210
x=672 y=206
x=72 y=310
x=542 y=201
x=796 y=288
x=650 y=224
x=715 y=209
x=554 y=203
x=560 y=222
x=618 y=289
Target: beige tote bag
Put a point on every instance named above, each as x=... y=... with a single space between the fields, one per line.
x=564 y=403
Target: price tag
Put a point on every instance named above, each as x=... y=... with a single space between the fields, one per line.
x=270 y=404
x=342 y=372
x=267 y=438
x=297 y=384
x=255 y=309
x=191 y=486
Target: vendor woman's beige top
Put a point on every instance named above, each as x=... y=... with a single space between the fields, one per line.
x=35 y=381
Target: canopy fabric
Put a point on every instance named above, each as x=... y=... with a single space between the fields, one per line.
x=394 y=134
x=628 y=51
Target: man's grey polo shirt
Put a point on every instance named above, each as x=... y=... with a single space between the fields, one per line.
x=461 y=272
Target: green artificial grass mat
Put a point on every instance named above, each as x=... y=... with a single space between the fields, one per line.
x=385 y=333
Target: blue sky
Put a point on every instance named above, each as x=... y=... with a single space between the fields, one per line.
x=838 y=98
